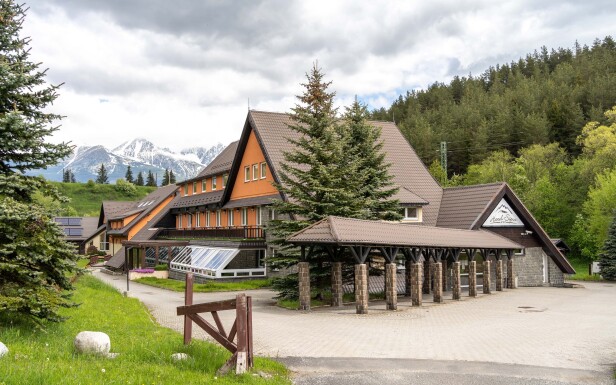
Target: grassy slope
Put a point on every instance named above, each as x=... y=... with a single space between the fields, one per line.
x=581 y=270
x=175 y=285
x=87 y=199
x=47 y=357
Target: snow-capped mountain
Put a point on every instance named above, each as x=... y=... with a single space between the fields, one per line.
x=142 y=156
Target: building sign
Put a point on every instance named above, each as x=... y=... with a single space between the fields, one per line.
x=503 y=216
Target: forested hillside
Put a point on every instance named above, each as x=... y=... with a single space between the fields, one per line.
x=545 y=97
x=545 y=124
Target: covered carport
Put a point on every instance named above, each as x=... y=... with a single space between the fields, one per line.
x=424 y=249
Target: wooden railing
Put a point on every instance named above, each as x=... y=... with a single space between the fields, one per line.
x=244 y=232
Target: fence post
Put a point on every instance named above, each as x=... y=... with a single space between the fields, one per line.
x=188 y=300
x=242 y=334
x=249 y=327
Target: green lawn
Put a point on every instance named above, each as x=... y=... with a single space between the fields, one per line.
x=47 y=356
x=175 y=285
x=581 y=270
x=86 y=199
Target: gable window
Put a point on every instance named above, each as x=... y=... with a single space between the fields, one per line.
x=185 y=189
x=225 y=178
x=207 y=218
x=230 y=217
x=203 y=185
x=263 y=170
x=247 y=174
x=244 y=216
x=214 y=182
x=410 y=213
x=255 y=171
x=258 y=221
x=217 y=218
x=194 y=187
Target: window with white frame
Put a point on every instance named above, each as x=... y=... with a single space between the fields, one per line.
x=225 y=178
x=255 y=171
x=185 y=189
x=207 y=218
x=409 y=213
x=272 y=213
x=204 y=185
x=189 y=221
x=259 y=212
x=218 y=215
x=263 y=170
x=230 y=217
x=198 y=220
x=214 y=182
x=194 y=187
x=247 y=174
x=244 y=216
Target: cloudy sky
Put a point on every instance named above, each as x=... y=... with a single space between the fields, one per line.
x=180 y=73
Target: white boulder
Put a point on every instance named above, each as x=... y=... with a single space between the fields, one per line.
x=3 y=349
x=92 y=342
x=179 y=356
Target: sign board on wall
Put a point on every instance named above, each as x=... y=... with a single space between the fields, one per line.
x=503 y=216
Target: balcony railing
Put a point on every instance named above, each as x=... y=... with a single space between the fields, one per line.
x=245 y=232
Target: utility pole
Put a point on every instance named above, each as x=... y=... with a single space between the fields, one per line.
x=444 y=157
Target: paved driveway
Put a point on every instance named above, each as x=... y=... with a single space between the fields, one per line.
x=567 y=331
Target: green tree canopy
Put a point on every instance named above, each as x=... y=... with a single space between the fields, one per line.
x=607 y=260
x=129 y=175
x=139 y=181
x=101 y=176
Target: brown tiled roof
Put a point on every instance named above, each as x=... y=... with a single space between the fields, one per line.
x=347 y=231
x=197 y=199
x=407 y=169
x=118 y=259
x=220 y=164
x=254 y=201
x=462 y=206
x=405 y=196
x=112 y=209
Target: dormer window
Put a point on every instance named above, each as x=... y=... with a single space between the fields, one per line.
x=214 y=182
x=411 y=214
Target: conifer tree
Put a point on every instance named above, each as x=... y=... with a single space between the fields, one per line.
x=35 y=261
x=607 y=260
x=139 y=181
x=171 y=177
x=165 y=178
x=101 y=176
x=150 y=181
x=66 y=176
x=129 y=175
x=72 y=177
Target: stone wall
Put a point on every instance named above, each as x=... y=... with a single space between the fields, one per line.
x=529 y=269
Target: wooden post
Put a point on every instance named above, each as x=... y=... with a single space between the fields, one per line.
x=241 y=361
x=156 y=255
x=249 y=324
x=142 y=257
x=188 y=300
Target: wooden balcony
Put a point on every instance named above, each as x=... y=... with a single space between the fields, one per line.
x=243 y=232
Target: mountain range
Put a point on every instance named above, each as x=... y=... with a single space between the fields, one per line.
x=140 y=154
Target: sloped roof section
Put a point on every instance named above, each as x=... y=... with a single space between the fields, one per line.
x=220 y=164
x=253 y=201
x=461 y=206
x=406 y=197
x=407 y=169
x=347 y=231
x=197 y=200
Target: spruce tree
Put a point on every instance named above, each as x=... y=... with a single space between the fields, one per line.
x=129 y=175
x=171 y=177
x=150 y=181
x=317 y=180
x=607 y=260
x=364 y=151
x=72 y=177
x=35 y=261
x=165 y=178
x=101 y=176
x=66 y=176
x=139 y=181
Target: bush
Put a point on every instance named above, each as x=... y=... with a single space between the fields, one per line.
x=161 y=267
x=92 y=250
x=125 y=187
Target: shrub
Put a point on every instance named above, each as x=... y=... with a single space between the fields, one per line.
x=161 y=267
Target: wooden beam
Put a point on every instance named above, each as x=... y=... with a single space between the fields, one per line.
x=207 y=307
x=219 y=325
x=230 y=346
x=471 y=254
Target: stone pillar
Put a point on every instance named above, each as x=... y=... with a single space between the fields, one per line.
x=438 y=289
x=337 y=284
x=408 y=277
x=486 y=277
x=391 y=292
x=417 y=280
x=510 y=276
x=361 y=288
x=427 y=276
x=304 y=285
x=456 y=289
x=499 y=275
x=472 y=279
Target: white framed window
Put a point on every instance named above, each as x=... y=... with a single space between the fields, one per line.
x=185 y=189
x=225 y=178
x=214 y=182
x=410 y=213
x=244 y=216
x=261 y=258
x=272 y=214
x=204 y=185
x=230 y=217
x=218 y=215
x=194 y=187
x=189 y=221
x=518 y=252
x=259 y=212
x=247 y=174
x=207 y=218
x=263 y=170
x=198 y=220
x=255 y=171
